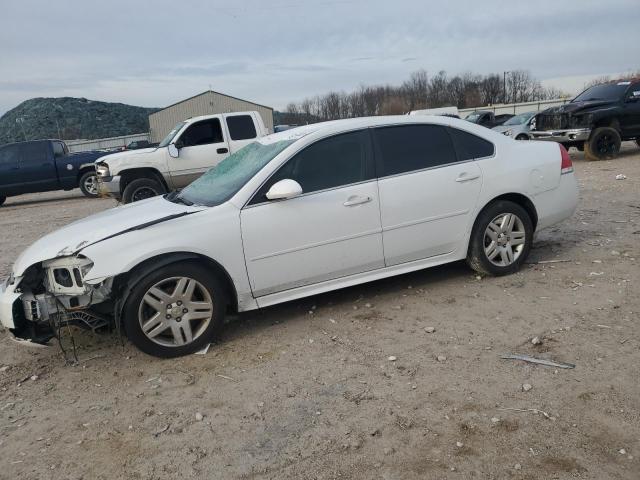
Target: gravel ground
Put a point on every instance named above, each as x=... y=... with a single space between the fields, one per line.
x=397 y=379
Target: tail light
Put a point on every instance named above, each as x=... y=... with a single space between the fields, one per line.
x=565 y=166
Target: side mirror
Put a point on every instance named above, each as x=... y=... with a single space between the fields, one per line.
x=284 y=189
x=173 y=150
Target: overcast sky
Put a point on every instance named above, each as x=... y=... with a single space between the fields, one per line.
x=153 y=53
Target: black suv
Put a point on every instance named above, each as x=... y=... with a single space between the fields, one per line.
x=596 y=121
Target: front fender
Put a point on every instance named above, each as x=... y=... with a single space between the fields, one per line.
x=213 y=233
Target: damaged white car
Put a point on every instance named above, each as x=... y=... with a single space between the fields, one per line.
x=293 y=214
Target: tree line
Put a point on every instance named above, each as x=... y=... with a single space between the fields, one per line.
x=421 y=91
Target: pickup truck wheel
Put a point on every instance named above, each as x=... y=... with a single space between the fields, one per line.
x=141 y=189
x=501 y=239
x=2 y=199
x=175 y=310
x=522 y=136
x=603 y=144
x=89 y=184
x=638 y=141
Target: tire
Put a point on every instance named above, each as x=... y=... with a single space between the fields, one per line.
x=488 y=230
x=168 y=335
x=522 y=136
x=637 y=143
x=141 y=189
x=88 y=184
x=603 y=144
x=2 y=199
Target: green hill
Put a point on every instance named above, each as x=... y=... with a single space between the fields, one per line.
x=71 y=118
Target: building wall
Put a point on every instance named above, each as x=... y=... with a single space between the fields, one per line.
x=100 y=143
x=207 y=103
x=516 y=108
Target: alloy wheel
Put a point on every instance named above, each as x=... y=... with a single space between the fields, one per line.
x=504 y=239
x=91 y=185
x=175 y=311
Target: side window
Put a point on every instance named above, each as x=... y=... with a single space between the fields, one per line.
x=407 y=148
x=241 y=127
x=329 y=163
x=202 y=133
x=9 y=156
x=33 y=154
x=469 y=146
x=634 y=91
x=58 y=149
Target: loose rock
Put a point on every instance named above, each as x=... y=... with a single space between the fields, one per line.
x=526 y=387
x=199 y=417
x=392 y=358
x=441 y=358
x=429 y=329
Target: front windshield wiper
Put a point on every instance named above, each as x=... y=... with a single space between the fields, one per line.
x=175 y=197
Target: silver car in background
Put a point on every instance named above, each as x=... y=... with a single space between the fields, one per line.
x=517 y=127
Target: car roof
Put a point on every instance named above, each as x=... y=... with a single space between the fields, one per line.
x=322 y=129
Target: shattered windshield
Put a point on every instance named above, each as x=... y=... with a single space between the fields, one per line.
x=171 y=134
x=519 y=119
x=608 y=91
x=224 y=180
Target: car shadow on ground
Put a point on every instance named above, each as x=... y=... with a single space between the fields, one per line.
x=33 y=201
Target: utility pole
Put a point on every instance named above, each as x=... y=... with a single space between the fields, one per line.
x=504 y=87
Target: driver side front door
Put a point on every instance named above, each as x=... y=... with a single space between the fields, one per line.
x=201 y=146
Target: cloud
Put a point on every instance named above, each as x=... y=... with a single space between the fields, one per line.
x=153 y=53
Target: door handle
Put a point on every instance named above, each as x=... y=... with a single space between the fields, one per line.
x=465 y=177
x=356 y=200
x=222 y=150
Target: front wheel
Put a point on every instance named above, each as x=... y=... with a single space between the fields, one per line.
x=522 y=136
x=141 y=189
x=89 y=184
x=174 y=311
x=501 y=239
x=604 y=143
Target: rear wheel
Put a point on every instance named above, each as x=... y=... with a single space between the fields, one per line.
x=175 y=310
x=501 y=239
x=141 y=189
x=638 y=141
x=2 y=199
x=603 y=144
x=89 y=184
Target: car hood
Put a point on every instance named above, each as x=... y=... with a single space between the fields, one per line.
x=71 y=239
x=576 y=107
x=137 y=158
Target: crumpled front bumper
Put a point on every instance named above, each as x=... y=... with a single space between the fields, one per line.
x=8 y=299
x=109 y=186
x=561 y=136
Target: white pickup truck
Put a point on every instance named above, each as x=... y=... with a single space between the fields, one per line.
x=190 y=149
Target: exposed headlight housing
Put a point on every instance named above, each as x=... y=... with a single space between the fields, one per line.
x=65 y=276
x=102 y=170
x=507 y=133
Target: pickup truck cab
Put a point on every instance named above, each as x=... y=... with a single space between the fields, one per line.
x=45 y=165
x=191 y=148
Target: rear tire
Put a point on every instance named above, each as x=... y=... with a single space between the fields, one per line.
x=141 y=189
x=2 y=199
x=501 y=239
x=638 y=141
x=603 y=144
x=178 y=318
x=89 y=184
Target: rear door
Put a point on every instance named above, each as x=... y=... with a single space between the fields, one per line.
x=202 y=146
x=427 y=194
x=241 y=129
x=332 y=230
x=36 y=167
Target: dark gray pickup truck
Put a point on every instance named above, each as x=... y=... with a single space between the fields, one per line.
x=45 y=165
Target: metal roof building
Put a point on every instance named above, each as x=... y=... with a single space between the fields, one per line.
x=205 y=103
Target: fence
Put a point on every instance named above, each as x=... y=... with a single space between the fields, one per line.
x=104 y=143
x=516 y=108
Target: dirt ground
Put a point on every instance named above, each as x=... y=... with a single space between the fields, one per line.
x=308 y=389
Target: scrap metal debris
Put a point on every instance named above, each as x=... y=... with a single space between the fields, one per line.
x=540 y=361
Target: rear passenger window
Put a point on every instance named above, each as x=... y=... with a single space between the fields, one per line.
x=469 y=146
x=202 y=133
x=33 y=154
x=241 y=127
x=329 y=163
x=9 y=156
x=408 y=148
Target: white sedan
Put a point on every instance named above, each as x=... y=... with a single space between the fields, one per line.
x=293 y=214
